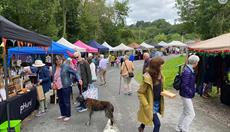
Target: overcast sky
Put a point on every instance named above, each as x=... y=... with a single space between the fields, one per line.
x=150 y=10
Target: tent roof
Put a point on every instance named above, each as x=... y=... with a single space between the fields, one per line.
x=10 y=30
x=221 y=42
x=134 y=45
x=122 y=47
x=177 y=43
x=162 y=43
x=66 y=43
x=56 y=48
x=147 y=46
x=83 y=45
x=96 y=45
x=156 y=45
x=108 y=46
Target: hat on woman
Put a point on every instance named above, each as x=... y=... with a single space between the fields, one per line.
x=38 y=63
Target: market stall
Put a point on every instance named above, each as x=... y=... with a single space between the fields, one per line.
x=23 y=106
x=55 y=48
x=88 y=48
x=108 y=46
x=177 y=44
x=122 y=47
x=21 y=37
x=66 y=43
x=134 y=45
x=147 y=46
x=162 y=43
x=214 y=67
x=96 y=45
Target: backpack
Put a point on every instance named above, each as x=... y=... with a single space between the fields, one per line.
x=177 y=80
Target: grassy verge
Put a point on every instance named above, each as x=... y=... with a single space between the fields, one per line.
x=169 y=71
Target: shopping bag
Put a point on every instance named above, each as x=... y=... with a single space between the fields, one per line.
x=91 y=92
x=40 y=93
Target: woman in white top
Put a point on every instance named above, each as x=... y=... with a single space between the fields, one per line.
x=93 y=70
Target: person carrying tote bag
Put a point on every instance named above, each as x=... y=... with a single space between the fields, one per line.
x=43 y=85
x=126 y=72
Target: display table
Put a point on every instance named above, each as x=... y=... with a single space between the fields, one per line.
x=21 y=106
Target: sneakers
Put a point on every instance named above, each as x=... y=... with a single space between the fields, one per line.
x=66 y=119
x=178 y=129
x=60 y=117
x=40 y=113
x=82 y=110
x=129 y=93
x=78 y=107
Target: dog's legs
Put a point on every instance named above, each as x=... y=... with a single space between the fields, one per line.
x=109 y=114
x=90 y=116
x=111 y=119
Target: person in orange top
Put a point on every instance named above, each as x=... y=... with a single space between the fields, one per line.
x=126 y=68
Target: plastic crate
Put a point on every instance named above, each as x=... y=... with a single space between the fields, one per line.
x=15 y=126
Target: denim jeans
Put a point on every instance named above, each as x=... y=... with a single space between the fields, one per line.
x=156 y=122
x=64 y=101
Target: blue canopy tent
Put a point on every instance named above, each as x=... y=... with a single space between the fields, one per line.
x=55 y=48
x=96 y=45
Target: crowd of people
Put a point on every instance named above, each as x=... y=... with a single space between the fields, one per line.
x=66 y=73
x=151 y=100
x=85 y=71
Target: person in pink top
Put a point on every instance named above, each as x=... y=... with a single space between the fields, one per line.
x=57 y=85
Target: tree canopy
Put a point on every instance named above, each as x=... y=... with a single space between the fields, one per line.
x=208 y=18
x=95 y=19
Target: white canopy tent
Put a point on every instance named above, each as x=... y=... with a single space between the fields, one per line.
x=162 y=43
x=108 y=46
x=66 y=43
x=147 y=46
x=122 y=47
x=177 y=44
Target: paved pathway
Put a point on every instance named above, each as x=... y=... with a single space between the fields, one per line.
x=126 y=108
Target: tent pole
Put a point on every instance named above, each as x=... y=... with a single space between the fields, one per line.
x=6 y=82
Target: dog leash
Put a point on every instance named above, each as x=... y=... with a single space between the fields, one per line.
x=80 y=89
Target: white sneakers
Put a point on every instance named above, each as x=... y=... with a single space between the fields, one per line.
x=60 y=117
x=40 y=113
x=66 y=119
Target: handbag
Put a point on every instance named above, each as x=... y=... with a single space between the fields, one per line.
x=40 y=93
x=131 y=75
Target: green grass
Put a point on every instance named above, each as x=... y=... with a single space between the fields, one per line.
x=169 y=71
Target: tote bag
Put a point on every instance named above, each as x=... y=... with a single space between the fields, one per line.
x=40 y=93
x=91 y=92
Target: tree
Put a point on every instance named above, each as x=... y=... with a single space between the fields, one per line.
x=121 y=11
x=75 y=19
x=208 y=18
x=35 y=15
x=174 y=36
x=160 y=37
